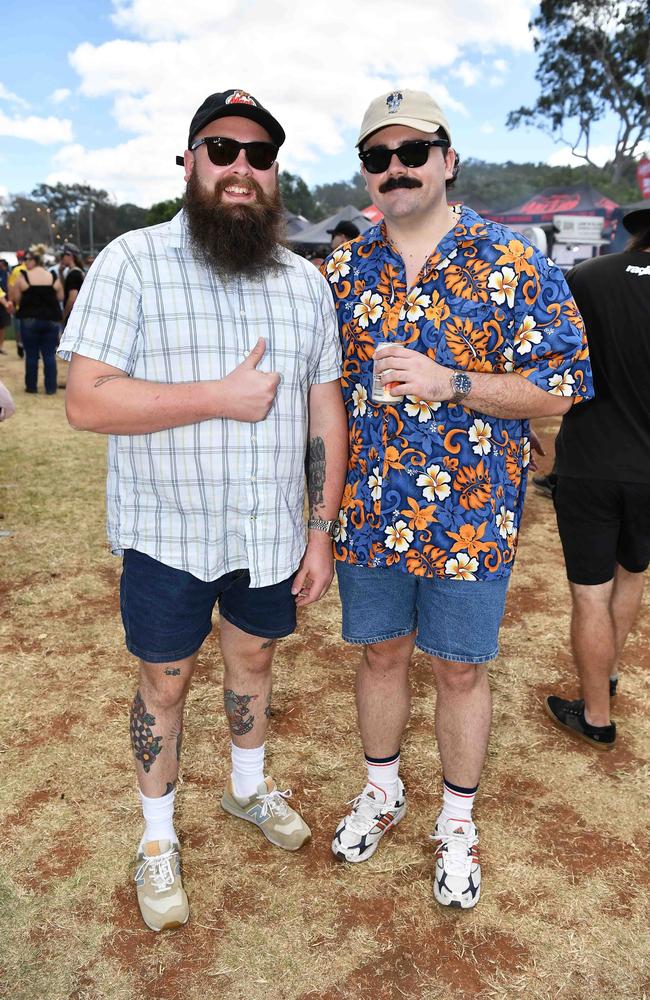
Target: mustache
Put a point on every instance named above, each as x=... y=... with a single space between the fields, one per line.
x=393 y=183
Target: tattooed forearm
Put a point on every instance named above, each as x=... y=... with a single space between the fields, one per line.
x=240 y=719
x=107 y=378
x=316 y=473
x=146 y=746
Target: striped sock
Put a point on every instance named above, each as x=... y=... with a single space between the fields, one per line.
x=383 y=773
x=457 y=802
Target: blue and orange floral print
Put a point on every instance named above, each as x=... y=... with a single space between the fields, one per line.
x=437 y=489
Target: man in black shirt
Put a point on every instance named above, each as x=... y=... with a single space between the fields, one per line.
x=602 y=497
x=71 y=267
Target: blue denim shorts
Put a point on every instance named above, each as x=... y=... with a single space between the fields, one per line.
x=167 y=613
x=456 y=620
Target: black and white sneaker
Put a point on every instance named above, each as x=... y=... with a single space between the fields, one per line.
x=457 y=878
x=358 y=834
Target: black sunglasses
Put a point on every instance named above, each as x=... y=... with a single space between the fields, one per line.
x=410 y=154
x=223 y=152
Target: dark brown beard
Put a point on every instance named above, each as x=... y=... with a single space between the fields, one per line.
x=235 y=239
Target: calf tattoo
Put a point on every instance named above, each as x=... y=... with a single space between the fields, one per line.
x=239 y=715
x=146 y=746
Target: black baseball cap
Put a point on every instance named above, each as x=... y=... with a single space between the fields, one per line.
x=637 y=217
x=231 y=103
x=345 y=228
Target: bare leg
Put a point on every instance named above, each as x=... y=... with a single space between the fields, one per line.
x=383 y=695
x=157 y=723
x=625 y=603
x=593 y=639
x=463 y=717
x=247 y=684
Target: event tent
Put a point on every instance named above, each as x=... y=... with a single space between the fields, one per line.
x=318 y=236
x=577 y=199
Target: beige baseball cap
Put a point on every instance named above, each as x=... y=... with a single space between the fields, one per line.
x=404 y=107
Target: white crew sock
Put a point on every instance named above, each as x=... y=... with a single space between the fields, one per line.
x=383 y=773
x=247 y=770
x=457 y=803
x=158 y=818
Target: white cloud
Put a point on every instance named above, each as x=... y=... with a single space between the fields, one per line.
x=468 y=73
x=487 y=128
x=60 y=95
x=8 y=95
x=315 y=65
x=599 y=154
x=500 y=65
x=45 y=131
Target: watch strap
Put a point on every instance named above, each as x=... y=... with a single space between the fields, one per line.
x=318 y=524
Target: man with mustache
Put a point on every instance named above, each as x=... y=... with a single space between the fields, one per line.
x=478 y=333
x=210 y=355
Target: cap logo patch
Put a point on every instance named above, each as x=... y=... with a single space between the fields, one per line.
x=241 y=97
x=393 y=101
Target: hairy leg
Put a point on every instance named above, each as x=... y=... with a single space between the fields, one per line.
x=246 y=683
x=383 y=694
x=463 y=717
x=157 y=723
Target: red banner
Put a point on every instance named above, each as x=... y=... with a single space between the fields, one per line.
x=643 y=176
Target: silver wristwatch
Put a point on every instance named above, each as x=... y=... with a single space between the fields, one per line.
x=317 y=524
x=461 y=386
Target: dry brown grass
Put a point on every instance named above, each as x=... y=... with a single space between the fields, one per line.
x=564 y=830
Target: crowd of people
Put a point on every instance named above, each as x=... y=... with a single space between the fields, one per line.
x=222 y=366
x=36 y=297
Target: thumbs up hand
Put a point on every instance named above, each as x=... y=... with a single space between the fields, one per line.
x=245 y=393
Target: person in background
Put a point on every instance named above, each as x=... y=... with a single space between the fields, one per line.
x=72 y=274
x=602 y=490
x=38 y=296
x=343 y=232
x=14 y=274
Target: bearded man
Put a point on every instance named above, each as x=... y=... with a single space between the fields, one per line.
x=210 y=354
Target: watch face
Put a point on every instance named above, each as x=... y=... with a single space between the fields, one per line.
x=462 y=383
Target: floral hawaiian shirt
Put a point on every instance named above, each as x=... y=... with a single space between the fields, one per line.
x=437 y=489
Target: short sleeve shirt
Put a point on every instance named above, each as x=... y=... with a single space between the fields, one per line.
x=437 y=489
x=222 y=494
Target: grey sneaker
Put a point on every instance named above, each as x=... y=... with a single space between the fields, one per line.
x=161 y=896
x=268 y=809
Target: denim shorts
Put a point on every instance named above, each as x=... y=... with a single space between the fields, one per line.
x=454 y=620
x=167 y=613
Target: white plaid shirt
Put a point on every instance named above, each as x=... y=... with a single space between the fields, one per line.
x=219 y=495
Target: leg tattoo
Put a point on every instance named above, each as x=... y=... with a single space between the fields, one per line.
x=267 y=710
x=146 y=746
x=240 y=719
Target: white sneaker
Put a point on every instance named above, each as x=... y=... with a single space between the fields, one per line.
x=457 y=878
x=358 y=834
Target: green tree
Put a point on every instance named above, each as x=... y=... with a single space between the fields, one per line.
x=163 y=211
x=297 y=197
x=594 y=59
x=331 y=197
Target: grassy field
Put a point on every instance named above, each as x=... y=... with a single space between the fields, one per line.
x=564 y=829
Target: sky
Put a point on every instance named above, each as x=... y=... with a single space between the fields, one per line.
x=101 y=92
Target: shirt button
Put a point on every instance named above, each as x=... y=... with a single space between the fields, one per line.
x=253 y=517
x=246 y=353
x=242 y=314
x=253 y=437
